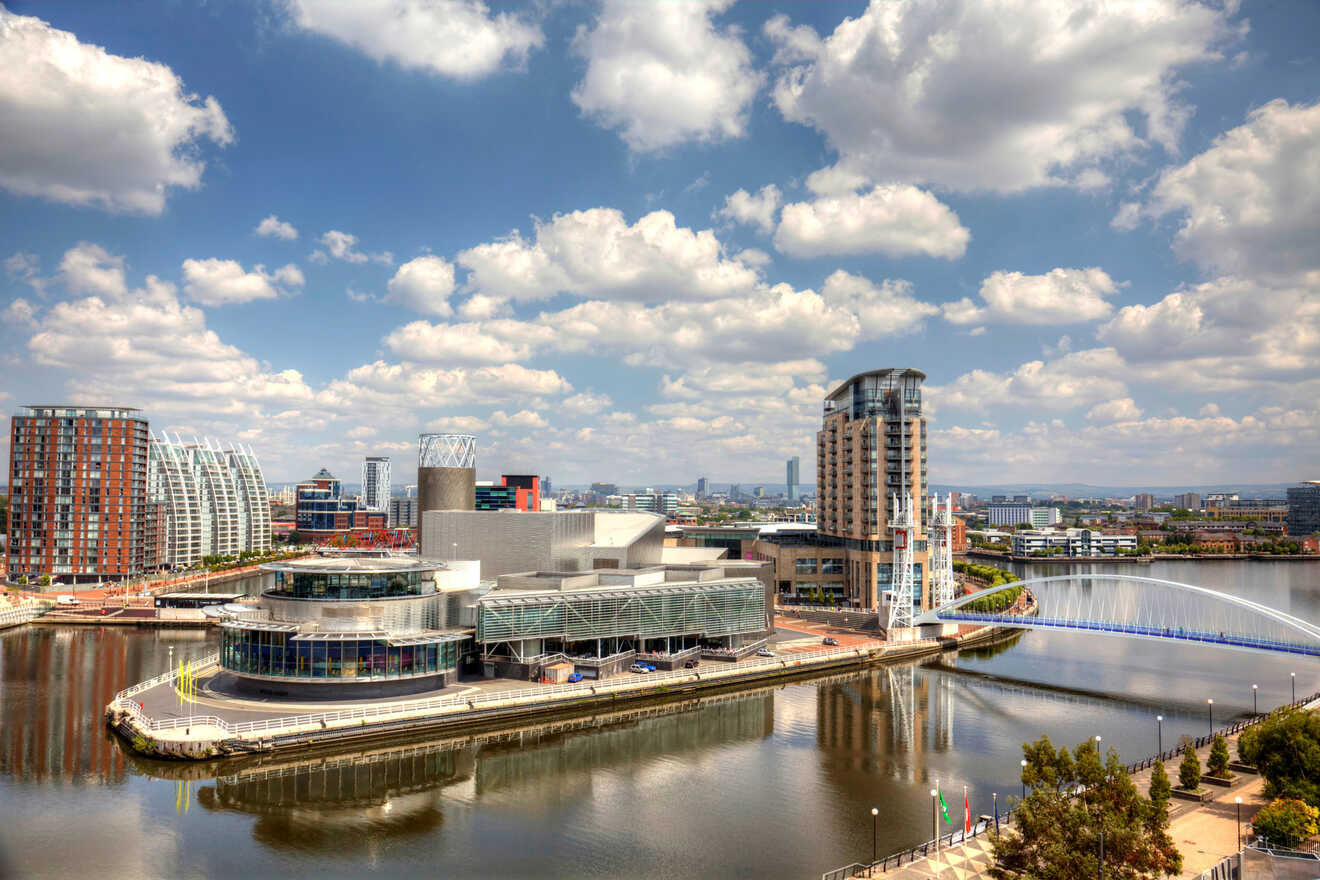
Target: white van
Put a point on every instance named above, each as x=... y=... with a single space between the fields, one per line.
x=66 y=599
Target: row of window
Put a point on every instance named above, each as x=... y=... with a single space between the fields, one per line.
x=373 y=585
x=262 y=652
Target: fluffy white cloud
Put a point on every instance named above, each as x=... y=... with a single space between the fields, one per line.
x=90 y=268
x=1251 y=203
x=596 y=253
x=274 y=227
x=20 y=312
x=1060 y=296
x=457 y=423
x=1229 y=334
x=215 y=282
x=896 y=220
x=494 y=342
x=480 y=307
x=423 y=285
x=85 y=127
x=753 y=210
x=1079 y=379
x=343 y=246
x=663 y=73
x=586 y=403
x=522 y=419
x=454 y=38
x=993 y=94
x=1122 y=409
x=887 y=309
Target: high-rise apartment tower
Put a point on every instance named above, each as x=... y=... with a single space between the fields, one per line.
x=376 y=482
x=872 y=447
x=78 y=494
x=793 y=477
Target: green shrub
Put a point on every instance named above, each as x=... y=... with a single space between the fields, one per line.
x=1159 y=784
x=1286 y=821
x=1189 y=771
x=1218 y=763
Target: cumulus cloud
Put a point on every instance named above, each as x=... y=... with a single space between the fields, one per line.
x=1251 y=203
x=457 y=423
x=20 y=312
x=522 y=419
x=1079 y=379
x=423 y=285
x=215 y=282
x=664 y=74
x=886 y=309
x=1060 y=296
x=488 y=342
x=343 y=246
x=459 y=39
x=90 y=268
x=997 y=95
x=1122 y=409
x=596 y=253
x=274 y=227
x=85 y=127
x=896 y=220
x=586 y=403
x=753 y=210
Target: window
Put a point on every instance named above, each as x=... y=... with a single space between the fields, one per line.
x=805 y=565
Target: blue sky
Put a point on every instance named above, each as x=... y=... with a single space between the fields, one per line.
x=638 y=242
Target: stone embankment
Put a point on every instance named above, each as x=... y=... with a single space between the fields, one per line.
x=198 y=736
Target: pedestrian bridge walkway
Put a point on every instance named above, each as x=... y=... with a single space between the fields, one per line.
x=1136 y=607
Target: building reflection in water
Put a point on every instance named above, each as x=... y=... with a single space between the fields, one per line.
x=351 y=800
x=56 y=681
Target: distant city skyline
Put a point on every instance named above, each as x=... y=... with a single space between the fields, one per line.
x=1109 y=275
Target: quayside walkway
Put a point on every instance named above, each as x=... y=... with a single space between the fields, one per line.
x=1205 y=833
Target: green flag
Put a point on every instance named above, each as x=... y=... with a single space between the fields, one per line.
x=944 y=808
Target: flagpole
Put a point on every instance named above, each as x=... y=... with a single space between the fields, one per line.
x=935 y=824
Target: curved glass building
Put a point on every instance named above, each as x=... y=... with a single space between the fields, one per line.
x=389 y=622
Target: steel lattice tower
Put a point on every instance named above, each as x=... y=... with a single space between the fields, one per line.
x=943 y=588
x=904 y=530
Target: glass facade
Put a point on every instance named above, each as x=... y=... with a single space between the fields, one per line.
x=708 y=610
x=495 y=498
x=343 y=656
x=340 y=585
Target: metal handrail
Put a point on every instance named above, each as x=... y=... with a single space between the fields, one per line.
x=472 y=701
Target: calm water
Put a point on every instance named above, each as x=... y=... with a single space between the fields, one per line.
x=776 y=782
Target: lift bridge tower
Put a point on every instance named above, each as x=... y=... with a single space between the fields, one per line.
x=902 y=525
x=943 y=587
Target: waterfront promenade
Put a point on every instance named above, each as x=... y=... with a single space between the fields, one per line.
x=1205 y=833
x=154 y=717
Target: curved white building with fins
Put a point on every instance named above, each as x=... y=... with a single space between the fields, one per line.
x=215 y=499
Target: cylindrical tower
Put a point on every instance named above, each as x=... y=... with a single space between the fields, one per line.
x=446 y=474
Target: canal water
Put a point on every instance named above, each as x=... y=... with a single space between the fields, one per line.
x=773 y=782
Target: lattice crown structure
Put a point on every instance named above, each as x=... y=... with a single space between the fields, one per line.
x=447 y=450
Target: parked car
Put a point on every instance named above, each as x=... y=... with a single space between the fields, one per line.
x=650 y=667
x=639 y=667
x=574 y=677
x=692 y=664
x=764 y=652
x=66 y=600
x=829 y=641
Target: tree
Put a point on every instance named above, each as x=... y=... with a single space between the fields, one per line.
x=1286 y=821
x=1285 y=748
x=43 y=581
x=1160 y=790
x=1075 y=798
x=1189 y=771
x=1217 y=766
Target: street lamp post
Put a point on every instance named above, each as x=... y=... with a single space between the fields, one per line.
x=996 y=797
x=1210 y=704
x=1254 y=688
x=1237 y=803
x=875 y=825
x=1024 y=779
x=1159 y=735
x=935 y=825
x=1293 y=677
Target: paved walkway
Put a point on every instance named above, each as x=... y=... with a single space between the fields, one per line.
x=1204 y=833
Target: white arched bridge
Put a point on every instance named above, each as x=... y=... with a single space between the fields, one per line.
x=1135 y=607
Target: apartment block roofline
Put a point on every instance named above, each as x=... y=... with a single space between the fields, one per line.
x=902 y=371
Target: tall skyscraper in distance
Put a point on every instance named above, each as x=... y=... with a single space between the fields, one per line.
x=78 y=493
x=870 y=448
x=214 y=500
x=703 y=487
x=376 y=482
x=794 y=480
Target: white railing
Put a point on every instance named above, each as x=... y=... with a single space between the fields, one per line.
x=22 y=615
x=467 y=702
x=203 y=663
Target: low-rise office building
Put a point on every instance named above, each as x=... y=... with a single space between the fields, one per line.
x=1071 y=542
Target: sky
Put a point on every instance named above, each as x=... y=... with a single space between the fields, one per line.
x=639 y=242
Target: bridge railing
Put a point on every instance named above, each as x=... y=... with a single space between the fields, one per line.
x=983 y=827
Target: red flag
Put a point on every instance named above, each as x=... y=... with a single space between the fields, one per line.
x=967 y=814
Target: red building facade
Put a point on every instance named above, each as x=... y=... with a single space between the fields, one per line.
x=78 y=494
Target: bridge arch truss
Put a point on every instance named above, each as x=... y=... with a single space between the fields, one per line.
x=1140 y=607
